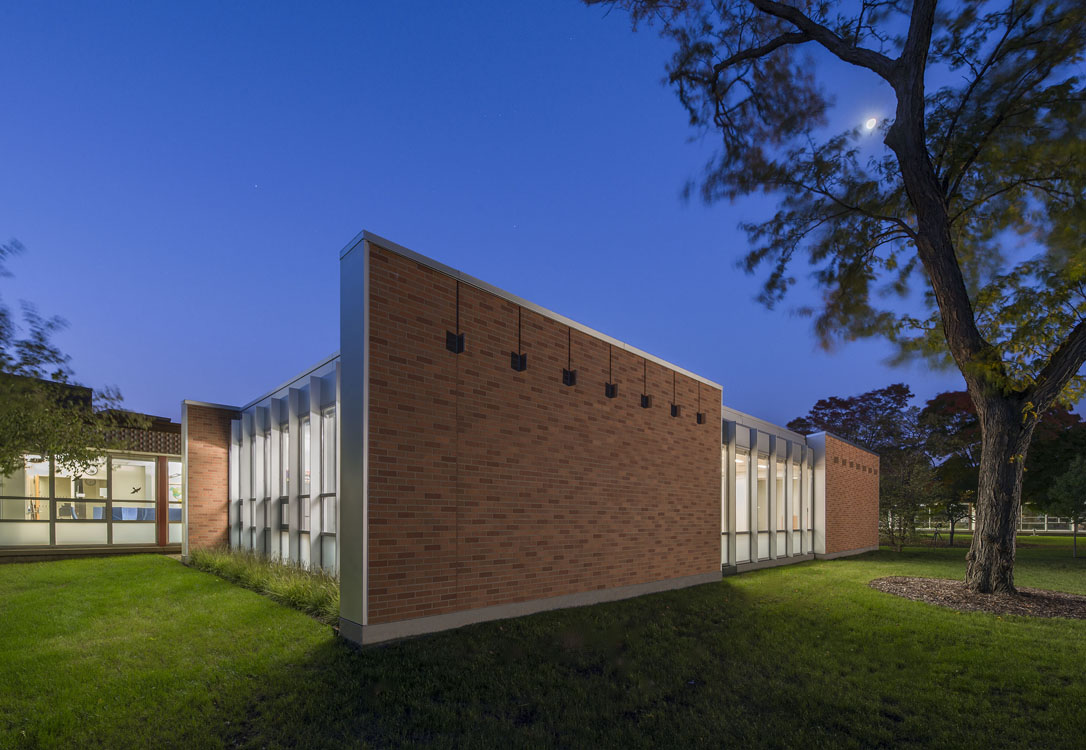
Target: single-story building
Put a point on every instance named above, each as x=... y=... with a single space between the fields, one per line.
x=469 y=455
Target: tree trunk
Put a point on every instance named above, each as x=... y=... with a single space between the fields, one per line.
x=1004 y=441
x=951 y=533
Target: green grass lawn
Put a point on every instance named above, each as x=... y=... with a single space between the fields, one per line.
x=143 y=652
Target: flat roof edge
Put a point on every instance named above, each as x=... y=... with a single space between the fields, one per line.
x=308 y=371
x=191 y=402
x=846 y=442
x=391 y=246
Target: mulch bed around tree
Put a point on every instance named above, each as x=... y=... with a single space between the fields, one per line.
x=954 y=594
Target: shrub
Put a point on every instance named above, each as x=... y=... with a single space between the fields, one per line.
x=312 y=591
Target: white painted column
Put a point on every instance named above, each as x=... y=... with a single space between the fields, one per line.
x=339 y=452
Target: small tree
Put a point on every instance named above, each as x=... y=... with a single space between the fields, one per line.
x=957 y=509
x=906 y=484
x=1067 y=497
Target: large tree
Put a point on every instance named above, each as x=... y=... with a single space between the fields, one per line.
x=42 y=411
x=976 y=190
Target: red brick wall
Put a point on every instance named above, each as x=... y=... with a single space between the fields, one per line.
x=207 y=491
x=852 y=497
x=490 y=486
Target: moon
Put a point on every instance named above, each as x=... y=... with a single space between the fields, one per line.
x=871 y=123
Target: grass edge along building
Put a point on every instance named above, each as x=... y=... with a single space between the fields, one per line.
x=469 y=456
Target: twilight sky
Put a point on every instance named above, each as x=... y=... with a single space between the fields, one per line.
x=184 y=175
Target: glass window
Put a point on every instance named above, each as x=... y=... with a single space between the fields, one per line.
x=763 y=494
x=133 y=489
x=173 y=469
x=779 y=499
x=328 y=515
x=284 y=462
x=303 y=459
x=32 y=480
x=742 y=493
x=81 y=494
x=797 y=501
x=328 y=451
x=24 y=509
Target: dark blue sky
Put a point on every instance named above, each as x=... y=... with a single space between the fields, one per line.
x=184 y=175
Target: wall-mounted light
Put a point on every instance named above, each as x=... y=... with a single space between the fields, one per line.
x=646 y=399
x=676 y=410
x=700 y=418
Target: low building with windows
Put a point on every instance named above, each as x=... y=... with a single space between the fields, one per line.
x=131 y=500
x=469 y=455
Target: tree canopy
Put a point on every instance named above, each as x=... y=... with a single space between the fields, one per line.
x=957 y=235
x=42 y=411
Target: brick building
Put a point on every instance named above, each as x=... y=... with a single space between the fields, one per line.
x=469 y=455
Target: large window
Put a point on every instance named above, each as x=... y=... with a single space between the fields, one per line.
x=174 y=493
x=82 y=493
x=133 y=489
x=742 y=494
x=24 y=494
x=763 y=494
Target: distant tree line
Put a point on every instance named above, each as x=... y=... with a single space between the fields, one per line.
x=929 y=457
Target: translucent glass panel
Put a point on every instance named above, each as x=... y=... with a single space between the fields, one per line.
x=763 y=545
x=763 y=494
x=328 y=515
x=779 y=497
x=796 y=499
x=81 y=533
x=133 y=489
x=284 y=462
x=742 y=548
x=32 y=480
x=24 y=509
x=175 y=533
x=89 y=483
x=258 y=467
x=15 y=533
x=742 y=493
x=304 y=459
x=328 y=451
x=328 y=553
x=809 y=505
x=269 y=481
x=134 y=533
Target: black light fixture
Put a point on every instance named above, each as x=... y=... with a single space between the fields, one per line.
x=610 y=388
x=569 y=375
x=676 y=410
x=701 y=414
x=454 y=342
x=518 y=360
x=646 y=399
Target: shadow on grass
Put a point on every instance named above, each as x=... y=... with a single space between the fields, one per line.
x=609 y=675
